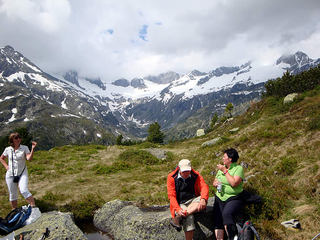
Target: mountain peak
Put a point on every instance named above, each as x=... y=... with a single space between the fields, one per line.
x=292 y=59
x=72 y=77
x=12 y=62
x=122 y=82
x=196 y=72
x=297 y=62
x=164 y=78
x=8 y=48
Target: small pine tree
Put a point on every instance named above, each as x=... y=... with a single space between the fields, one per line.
x=155 y=134
x=119 y=140
x=229 y=109
x=214 y=120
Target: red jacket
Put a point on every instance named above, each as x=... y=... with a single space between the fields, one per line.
x=200 y=187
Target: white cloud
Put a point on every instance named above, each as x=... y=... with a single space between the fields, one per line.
x=46 y=15
x=114 y=39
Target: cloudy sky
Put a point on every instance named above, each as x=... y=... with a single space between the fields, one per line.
x=134 y=38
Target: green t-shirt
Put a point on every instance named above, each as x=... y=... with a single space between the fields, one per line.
x=228 y=191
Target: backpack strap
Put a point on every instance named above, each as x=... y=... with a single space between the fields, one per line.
x=316 y=236
x=254 y=231
x=12 y=165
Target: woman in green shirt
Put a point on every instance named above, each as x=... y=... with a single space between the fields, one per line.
x=228 y=202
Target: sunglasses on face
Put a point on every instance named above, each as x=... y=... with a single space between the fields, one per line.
x=17 y=137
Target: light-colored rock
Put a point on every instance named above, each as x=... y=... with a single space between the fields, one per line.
x=60 y=225
x=211 y=142
x=125 y=221
x=158 y=153
x=233 y=130
x=290 y=98
x=200 y=132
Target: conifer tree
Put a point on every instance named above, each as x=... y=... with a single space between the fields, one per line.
x=213 y=120
x=119 y=139
x=229 y=109
x=155 y=134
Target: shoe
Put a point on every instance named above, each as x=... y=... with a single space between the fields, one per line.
x=176 y=226
x=35 y=214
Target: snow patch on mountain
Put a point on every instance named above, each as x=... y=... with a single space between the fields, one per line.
x=32 y=67
x=137 y=122
x=64 y=115
x=6 y=98
x=63 y=104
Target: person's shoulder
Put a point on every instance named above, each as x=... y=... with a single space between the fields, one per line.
x=173 y=173
x=194 y=172
x=7 y=149
x=239 y=167
x=24 y=147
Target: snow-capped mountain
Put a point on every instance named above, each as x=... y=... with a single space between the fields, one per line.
x=127 y=106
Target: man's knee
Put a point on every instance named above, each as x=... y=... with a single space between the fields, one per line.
x=188 y=223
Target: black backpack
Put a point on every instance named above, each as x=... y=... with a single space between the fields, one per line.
x=247 y=231
x=14 y=220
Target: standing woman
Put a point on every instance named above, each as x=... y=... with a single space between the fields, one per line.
x=228 y=201
x=17 y=155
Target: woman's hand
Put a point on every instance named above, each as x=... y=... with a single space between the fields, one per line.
x=221 y=167
x=182 y=213
x=215 y=182
x=34 y=144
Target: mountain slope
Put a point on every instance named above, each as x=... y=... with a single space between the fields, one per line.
x=54 y=113
x=128 y=107
x=278 y=142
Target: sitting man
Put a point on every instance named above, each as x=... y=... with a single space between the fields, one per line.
x=188 y=193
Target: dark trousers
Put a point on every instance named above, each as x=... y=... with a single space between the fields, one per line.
x=225 y=211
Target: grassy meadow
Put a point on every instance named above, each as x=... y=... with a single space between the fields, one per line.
x=280 y=143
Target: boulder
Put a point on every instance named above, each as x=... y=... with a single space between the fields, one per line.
x=60 y=226
x=211 y=142
x=158 y=153
x=233 y=130
x=200 y=132
x=290 y=98
x=124 y=220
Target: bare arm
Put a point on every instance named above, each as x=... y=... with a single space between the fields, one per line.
x=233 y=180
x=30 y=155
x=3 y=161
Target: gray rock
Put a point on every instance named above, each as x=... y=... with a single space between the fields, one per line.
x=290 y=98
x=158 y=153
x=61 y=226
x=211 y=142
x=123 y=220
x=244 y=165
x=233 y=130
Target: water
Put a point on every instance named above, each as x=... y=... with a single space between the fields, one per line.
x=92 y=233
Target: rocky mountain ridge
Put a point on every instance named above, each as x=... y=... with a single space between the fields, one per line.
x=32 y=97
